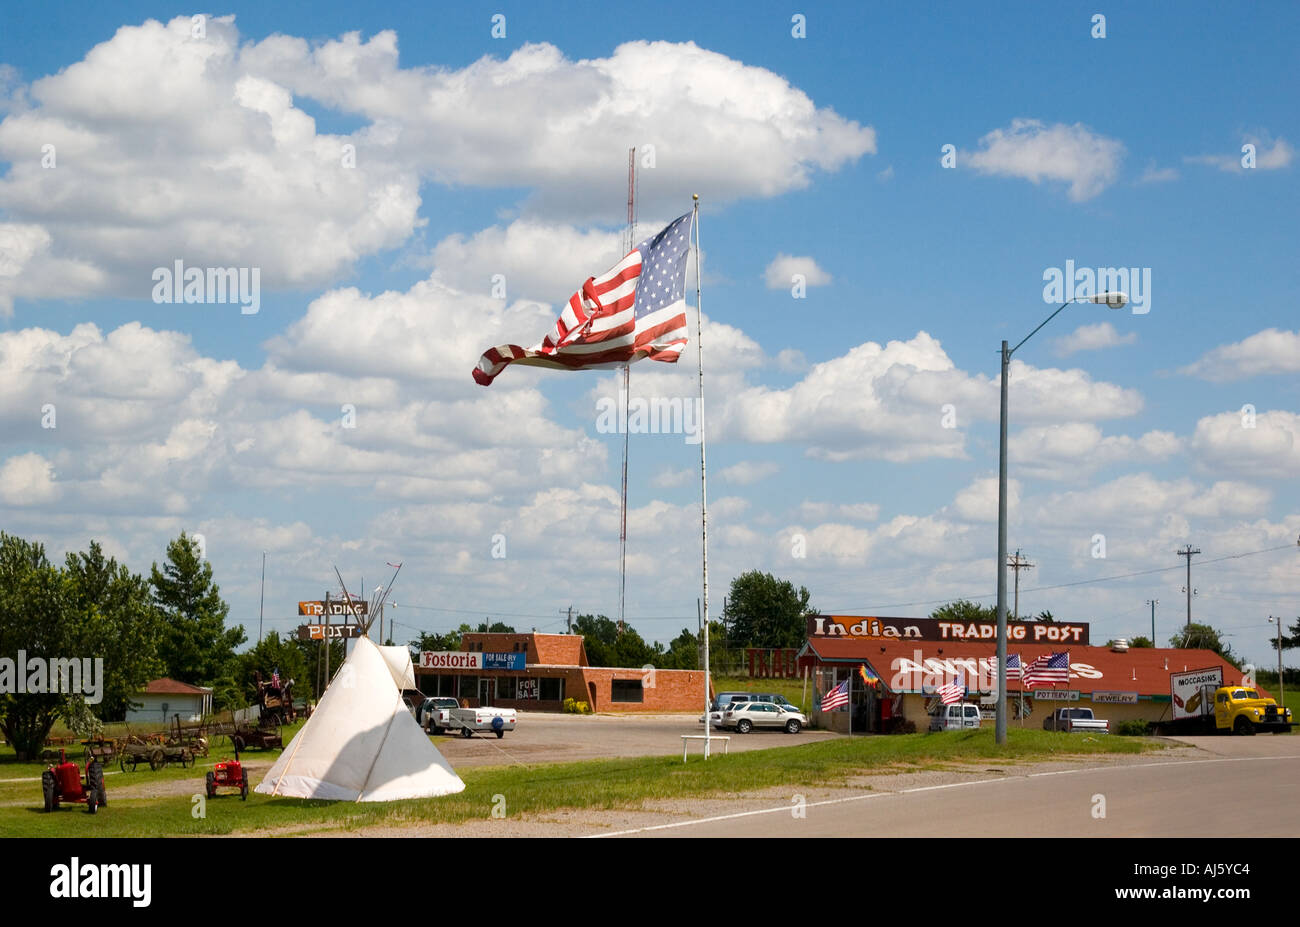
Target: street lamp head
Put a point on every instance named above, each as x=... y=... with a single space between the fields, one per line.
x=1115 y=300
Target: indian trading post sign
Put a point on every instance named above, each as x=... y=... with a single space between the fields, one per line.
x=337 y=609
x=1186 y=694
x=933 y=629
x=335 y=632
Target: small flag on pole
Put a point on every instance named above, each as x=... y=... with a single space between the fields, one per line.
x=1015 y=670
x=953 y=692
x=275 y=677
x=835 y=698
x=634 y=310
x=1048 y=670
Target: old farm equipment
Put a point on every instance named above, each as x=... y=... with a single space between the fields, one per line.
x=263 y=736
x=137 y=750
x=227 y=774
x=62 y=783
x=274 y=700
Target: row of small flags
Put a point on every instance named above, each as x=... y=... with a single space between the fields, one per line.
x=1045 y=670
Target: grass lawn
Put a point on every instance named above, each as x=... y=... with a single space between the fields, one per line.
x=599 y=784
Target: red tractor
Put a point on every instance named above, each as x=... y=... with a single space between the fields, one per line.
x=62 y=782
x=228 y=774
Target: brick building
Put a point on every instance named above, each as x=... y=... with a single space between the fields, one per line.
x=554 y=668
x=1119 y=684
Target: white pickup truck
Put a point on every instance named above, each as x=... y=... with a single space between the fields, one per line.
x=470 y=721
x=1075 y=720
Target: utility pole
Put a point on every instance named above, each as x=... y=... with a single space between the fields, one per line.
x=1189 y=552
x=261 y=599
x=1018 y=563
x=569 y=621
x=1153 y=603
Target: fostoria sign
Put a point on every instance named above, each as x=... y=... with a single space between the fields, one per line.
x=855 y=627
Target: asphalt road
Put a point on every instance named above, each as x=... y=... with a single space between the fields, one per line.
x=1232 y=787
x=541 y=737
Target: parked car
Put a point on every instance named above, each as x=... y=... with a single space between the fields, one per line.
x=743 y=717
x=435 y=713
x=960 y=716
x=724 y=700
x=1070 y=720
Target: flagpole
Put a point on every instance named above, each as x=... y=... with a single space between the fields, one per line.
x=704 y=486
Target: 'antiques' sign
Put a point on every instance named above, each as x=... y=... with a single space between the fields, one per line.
x=934 y=629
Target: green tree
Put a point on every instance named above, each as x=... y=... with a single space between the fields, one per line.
x=1141 y=642
x=118 y=621
x=94 y=608
x=196 y=645
x=1203 y=637
x=496 y=627
x=1045 y=616
x=965 y=611
x=1290 y=642
x=763 y=611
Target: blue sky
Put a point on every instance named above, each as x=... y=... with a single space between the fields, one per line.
x=1122 y=151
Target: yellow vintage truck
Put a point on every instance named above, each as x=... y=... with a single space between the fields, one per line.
x=1201 y=704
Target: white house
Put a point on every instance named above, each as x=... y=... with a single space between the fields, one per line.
x=163 y=698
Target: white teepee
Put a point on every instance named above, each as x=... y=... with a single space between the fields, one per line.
x=361 y=743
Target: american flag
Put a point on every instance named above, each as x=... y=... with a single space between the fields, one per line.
x=953 y=692
x=1015 y=669
x=275 y=677
x=836 y=698
x=636 y=309
x=1048 y=669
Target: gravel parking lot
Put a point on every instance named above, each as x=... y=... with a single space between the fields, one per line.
x=552 y=738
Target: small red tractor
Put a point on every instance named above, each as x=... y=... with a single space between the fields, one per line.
x=62 y=783
x=228 y=774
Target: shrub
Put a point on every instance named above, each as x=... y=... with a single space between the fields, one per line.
x=574 y=707
x=1130 y=728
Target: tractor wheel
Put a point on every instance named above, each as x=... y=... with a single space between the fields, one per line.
x=1243 y=726
x=243 y=791
x=47 y=787
x=91 y=801
x=210 y=784
x=122 y=763
x=187 y=759
x=157 y=760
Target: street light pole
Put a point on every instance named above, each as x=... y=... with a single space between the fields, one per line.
x=1281 y=691
x=1115 y=301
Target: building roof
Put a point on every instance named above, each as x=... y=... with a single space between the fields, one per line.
x=166 y=686
x=1144 y=670
x=553 y=649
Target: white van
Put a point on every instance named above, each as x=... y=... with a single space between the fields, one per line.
x=957 y=717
